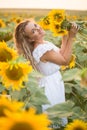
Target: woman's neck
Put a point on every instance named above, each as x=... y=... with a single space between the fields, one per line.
x=39 y=42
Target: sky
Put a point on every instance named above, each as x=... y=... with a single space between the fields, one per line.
x=45 y=4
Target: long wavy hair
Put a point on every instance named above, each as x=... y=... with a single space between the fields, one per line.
x=23 y=43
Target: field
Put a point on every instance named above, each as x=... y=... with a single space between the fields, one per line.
x=40 y=12
x=24 y=89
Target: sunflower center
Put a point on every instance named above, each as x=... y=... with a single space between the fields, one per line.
x=18 y=20
x=78 y=128
x=22 y=126
x=2 y=108
x=5 y=55
x=0 y=25
x=46 y=21
x=57 y=16
x=61 y=31
x=14 y=73
x=57 y=26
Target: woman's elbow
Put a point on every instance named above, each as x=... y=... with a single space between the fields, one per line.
x=65 y=62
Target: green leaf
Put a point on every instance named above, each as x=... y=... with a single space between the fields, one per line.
x=18 y=95
x=1 y=87
x=5 y=34
x=38 y=96
x=61 y=110
x=71 y=74
x=78 y=113
x=68 y=88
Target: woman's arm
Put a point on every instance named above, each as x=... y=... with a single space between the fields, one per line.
x=67 y=41
x=66 y=49
x=62 y=57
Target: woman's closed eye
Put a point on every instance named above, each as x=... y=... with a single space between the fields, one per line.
x=36 y=28
x=33 y=30
x=35 y=25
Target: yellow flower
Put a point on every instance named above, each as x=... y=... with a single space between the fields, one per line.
x=72 y=61
x=60 y=19
x=71 y=64
x=4 y=92
x=2 y=24
x=61 y=32
x=57 y=15
x=6 y=53
x=74 y=17
x=13 y=74
x=25 y=120
x=77 y=125
x=63 y=67
x=17 y=20
x=55 y=28
x=45 y=23
x=7 y=104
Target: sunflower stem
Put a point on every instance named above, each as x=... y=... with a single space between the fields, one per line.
x=79 y=65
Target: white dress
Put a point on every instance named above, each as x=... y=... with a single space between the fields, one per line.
x=52 y=80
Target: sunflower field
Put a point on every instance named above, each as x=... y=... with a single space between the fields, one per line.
x=20 y=96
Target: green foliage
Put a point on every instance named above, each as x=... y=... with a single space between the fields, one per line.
x=80 y=50
x=32 y=95
x=5 y=34
x=76 y=94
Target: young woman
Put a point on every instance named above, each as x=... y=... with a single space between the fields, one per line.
x=45 y=57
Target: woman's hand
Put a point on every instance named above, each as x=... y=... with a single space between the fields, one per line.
x=73 y=31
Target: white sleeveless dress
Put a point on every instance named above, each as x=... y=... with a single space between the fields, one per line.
x=52 y=80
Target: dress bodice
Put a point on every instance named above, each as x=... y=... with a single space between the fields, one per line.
x=46 y=68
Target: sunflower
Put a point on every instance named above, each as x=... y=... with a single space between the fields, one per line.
x=77 y=125
x=14 y=73
x=17 y=19
x=71 y=64
x=45 y=23
x=2 y=24
x=7 y=104
x=25 y=120
x=63 y=67
x=72 y=61
x=57 y=15
x=55 y=28
x=60 y=33
x=6 y=53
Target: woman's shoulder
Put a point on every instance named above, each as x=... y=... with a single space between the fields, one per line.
x=41 y=49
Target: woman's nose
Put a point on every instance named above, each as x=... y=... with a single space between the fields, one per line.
x=38 y=28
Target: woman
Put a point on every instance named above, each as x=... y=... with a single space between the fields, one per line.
x=45 y=57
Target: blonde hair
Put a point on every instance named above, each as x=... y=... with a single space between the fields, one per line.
x=23 y=43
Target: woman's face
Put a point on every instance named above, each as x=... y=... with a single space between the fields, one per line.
x=34 y=31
